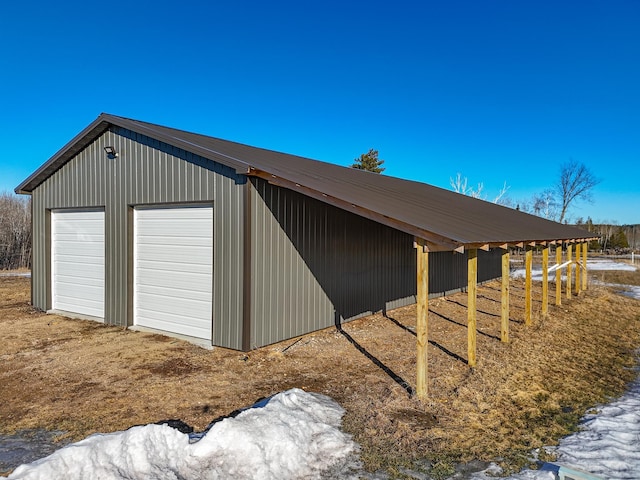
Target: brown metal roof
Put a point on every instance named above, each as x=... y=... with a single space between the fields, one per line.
x=446 y=219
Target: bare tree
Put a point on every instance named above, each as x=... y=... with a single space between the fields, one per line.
x=545 y=205
x=606 y=230
x=576 y=182
x=501 y=198
x=460 y=184
x=15 y=231
x=632 y=231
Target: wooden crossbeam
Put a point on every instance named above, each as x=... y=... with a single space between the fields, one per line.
x=558 y=266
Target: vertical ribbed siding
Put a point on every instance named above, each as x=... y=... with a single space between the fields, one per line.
x=146 y=172
x=79 y=184
x=315 y=265
x=448 y=270
x=447 y=273
x=489 y=264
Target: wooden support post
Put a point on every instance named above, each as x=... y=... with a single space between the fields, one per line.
x=504 y=328
x=472 y=281
x=545 y=280
x=578 y=265
x=527 y=284
x=422 y=321
x=585 y=247
x=559 y=274
x=569 y=270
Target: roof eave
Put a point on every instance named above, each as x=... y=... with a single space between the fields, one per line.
x=101 y=125
x=75 y=145
x=434 y=241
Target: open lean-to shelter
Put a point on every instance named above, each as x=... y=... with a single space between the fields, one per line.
x=136 y=224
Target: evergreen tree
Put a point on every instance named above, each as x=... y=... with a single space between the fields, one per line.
x=369 y=161
x=619 y=239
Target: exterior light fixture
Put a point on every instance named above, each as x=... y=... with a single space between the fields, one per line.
x=111 y=151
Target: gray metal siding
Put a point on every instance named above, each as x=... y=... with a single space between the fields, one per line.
x=314 y=265
x=146 y=172
x=448 y=270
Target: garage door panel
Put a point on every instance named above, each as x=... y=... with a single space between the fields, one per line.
x=201 y=266
x=92 y=289
x=178 y=241
x=197 y=249
x=199 y=246
x=196 y=294
x=89 y=224
x=70 y=259
x=78 y=269
x=169 y=262
x=184 y=288
x=77 y=245
x=70 y=303
x=84 y=249
x=164 y=312
x=174 y=214
x=166 y=315
x=173 y=269
x=156 y=229
x=166 y=322
x=160 y=304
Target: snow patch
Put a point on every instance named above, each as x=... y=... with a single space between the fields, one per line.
x=632 y=291
x=592 y=265
x=608 y=444
x=604 y=264
x=295 y=435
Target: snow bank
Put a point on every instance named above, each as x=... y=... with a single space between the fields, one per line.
x=295 y=435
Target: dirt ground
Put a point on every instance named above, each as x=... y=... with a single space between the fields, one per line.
x=82 y=377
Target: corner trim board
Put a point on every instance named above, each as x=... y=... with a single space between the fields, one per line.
x=246 y=267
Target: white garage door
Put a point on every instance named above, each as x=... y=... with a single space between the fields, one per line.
x=77 y=258
x=173 y=269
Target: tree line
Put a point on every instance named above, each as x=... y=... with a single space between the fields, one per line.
x=15 y=231
x=614 y=238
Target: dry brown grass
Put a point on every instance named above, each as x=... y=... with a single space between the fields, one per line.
x=83 y=377
x=618 y=276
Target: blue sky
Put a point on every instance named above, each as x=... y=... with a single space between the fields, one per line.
x=496 y=90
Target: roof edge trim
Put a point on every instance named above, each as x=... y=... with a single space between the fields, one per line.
x=434 y=241
x=101 y=125
x=77 y=143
